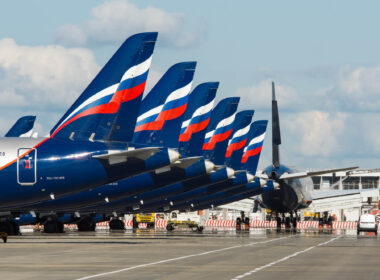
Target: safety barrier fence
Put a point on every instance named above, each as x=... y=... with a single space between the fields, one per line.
x=220 y=224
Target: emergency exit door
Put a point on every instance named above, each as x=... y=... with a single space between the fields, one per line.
x=26 y=166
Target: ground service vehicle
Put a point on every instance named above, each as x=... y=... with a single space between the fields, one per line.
x=367 y=222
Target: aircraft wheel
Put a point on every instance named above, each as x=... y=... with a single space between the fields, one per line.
x=4 y=236
x=135 y=225
x=6 y=227
x=199 y=228
x=116 y=224
x=287 y=222
x=294 y=223
x=278 y=220
x=53 y=227
x=86 y=225
x=358 y=232
x=169 y=227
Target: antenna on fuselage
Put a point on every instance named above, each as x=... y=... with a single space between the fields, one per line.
x=276 y=134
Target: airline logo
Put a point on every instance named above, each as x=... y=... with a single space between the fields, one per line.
x=198 y=122
x=254 y=147
x=222 y=131
x=238 y=141
x=174 y=106
x=108 y=100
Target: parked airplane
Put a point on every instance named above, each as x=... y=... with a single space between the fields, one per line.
x=244 y=180
x=224 y=110
x=70 y=160
x=295 y=187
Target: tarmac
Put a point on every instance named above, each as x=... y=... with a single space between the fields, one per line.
x=257 y=254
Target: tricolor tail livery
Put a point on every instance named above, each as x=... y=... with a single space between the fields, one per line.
x=197 y=117
x=162 y=110
x=220 y=130
x=22 y=128
x=250 y=158
x=121 y=80
x=217 y=154
x=236 y=145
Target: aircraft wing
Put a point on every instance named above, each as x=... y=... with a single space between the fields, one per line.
x=298 y=175
x=121 y=156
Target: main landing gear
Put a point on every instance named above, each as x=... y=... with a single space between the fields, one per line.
x=289 y=221
x=117 y=224
x=86 y=224
x=53 y=226
x=242 y=222
x=9 y=228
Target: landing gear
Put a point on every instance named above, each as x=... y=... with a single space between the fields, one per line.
x=86 y=224
x=278 y=221
x=135 y=224
x=290 y=222
x=4 y=236
x=53 y=226
x=117 y=224
x=242 y=222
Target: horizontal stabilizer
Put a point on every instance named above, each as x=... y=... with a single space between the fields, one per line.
x=298 y=175
x=122 y=156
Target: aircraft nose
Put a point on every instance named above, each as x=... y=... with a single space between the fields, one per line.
x=173 y=155
x=209 y=166
x=250 y=177
x=230 y=172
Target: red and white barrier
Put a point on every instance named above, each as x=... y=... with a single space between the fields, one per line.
x=344 y=225
x=225 y=224
x=160 y=224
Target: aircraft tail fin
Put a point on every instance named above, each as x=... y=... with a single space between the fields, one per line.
x=120 y=81
x=162 y=110
x=197 y=117
x=276 y=133
x=23 y=127
x=252 y=151
x=220 y=129
x=220 y=151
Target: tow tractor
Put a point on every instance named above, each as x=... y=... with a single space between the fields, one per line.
x=175 y=223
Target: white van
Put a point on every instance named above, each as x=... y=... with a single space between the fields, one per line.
x=367 y=222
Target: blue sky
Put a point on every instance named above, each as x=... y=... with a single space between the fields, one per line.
x=323 y=56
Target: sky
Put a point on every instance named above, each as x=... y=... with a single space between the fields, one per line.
x=324 y=57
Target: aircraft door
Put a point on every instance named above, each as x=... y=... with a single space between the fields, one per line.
x=26 y=166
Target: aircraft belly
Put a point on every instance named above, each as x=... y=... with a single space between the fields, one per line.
x=284 y=200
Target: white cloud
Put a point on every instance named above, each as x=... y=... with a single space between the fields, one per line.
x=316 y=133
x=112 y=22
x=357 y=89
x=259 y=96
x=42 y=78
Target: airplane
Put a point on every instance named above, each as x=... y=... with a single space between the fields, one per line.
x=23 y=127
x=225 y=110
x=295 y=187
x=243 y=181
x=162 y=199
x=175 y=82
x=73 y=158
